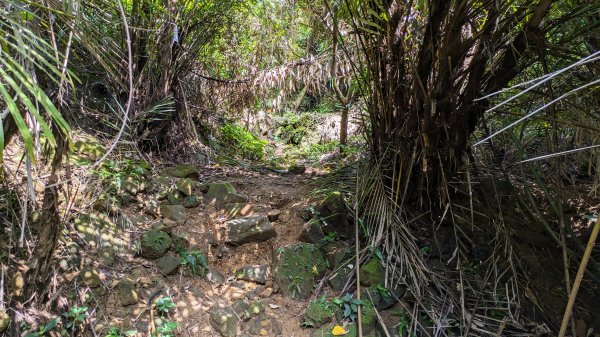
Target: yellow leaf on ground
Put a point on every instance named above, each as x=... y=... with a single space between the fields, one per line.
x=338 y=330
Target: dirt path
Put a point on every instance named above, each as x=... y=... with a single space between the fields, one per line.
x=194 y=295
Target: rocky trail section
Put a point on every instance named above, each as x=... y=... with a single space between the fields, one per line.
x=238 y=253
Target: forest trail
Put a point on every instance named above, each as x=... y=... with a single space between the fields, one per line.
x=131 y=283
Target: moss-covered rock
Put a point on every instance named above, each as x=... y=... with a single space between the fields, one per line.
x=184 y=171
x=174 y=197
x=94 y=228
x=191 y=201
x=88 y=147
x=317 y=313
x=372 y=273
x=155 y=244
x=384 y=298
x=334 y=215
x=368 y=318
x=297 y=267
x=185 y=186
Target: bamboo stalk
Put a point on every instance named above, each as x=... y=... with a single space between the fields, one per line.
x=579 y=277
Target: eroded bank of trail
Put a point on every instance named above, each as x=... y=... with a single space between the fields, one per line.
x=207 y=238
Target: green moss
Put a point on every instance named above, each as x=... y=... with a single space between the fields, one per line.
x=297 y=267
x=317 y=313
x=155 y=244
x=372 y=273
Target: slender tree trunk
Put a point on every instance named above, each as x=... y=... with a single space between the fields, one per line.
x=344 y=126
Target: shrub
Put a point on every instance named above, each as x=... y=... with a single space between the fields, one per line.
x=241 y=142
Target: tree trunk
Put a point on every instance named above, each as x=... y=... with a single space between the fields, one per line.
x=424 y=87
x=344 y=126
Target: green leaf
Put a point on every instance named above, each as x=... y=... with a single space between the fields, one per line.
x=51 y=325
x=19 y=121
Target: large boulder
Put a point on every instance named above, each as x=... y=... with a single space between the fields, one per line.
x=224 y=320
x=255 y=228
x=155 y=244
x=333 y=213
x=297 y=267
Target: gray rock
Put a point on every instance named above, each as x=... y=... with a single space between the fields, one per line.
x=155 y=244
x=224 y=320
x=274 y=214
x=335 y=252
x=334 y=215
x=214 y=276
x=311 y=232
x=209 y=239
x=223 y=193
x=127 y=293
x=338 y=280
x=246 y=310
x=152 y=207
x=256 y=273
x=236 y=209
x=383 y=298
x=276 y=327
x=255 y=228
x=173 y=212
x=296 y=268
x=168 y=264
